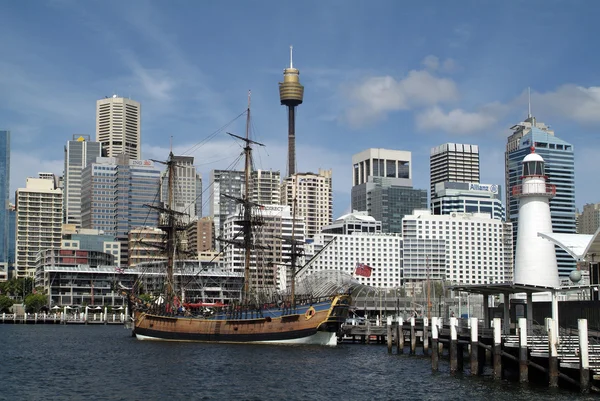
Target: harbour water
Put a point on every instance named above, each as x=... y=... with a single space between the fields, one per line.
x=48 y=362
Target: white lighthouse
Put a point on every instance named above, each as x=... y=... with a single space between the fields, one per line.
x=535 y=257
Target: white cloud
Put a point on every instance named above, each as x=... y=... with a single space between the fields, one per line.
x=29 y=164
x=578 y=103
x=449 y=65
x=456 y=121
x=431 y=62
x=377 y=96
x=155 y=82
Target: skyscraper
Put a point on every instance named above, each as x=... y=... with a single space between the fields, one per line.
x=118 y=126
x=136 y=184
x=589 y=219
x=453 y=162
x=314 y=199
x=224 y=184
x=382 y=186
x=4 y=194
x=37 y=231
x=187 y=188
x=265 y=187
x=559 y=161
x=79 y=152
x=277 y=229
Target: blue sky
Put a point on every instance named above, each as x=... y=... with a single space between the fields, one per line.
x=391 y=74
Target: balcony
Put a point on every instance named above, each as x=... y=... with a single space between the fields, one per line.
x=534 y=189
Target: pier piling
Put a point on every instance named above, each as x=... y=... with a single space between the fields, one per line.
x=413 y=336
x=389 y=334
x=474 y=347
x=400 y=342
x=425 y=336
x=497 y=356
x=453 y=346
x=523 y=367
x=435 y=351
x=552 y=354
x=584 y=358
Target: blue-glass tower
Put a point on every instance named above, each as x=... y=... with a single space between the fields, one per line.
x=560 y=170
x=115 y=193
x=4 y=194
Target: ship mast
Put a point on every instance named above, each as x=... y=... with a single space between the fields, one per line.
x=168 y=223
x=170 y=230
x=246 y=221
x=294 y=254
x=247 y=207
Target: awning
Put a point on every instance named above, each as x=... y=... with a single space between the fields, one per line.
x=582 y=247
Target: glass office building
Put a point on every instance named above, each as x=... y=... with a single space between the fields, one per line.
x=115 y=196
x=382 y=186
x=79 y=152
x=559 y=159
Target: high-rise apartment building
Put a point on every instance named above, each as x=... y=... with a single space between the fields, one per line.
x=12 y=234
x=118 y=127
x=382 y=186
x=200 y=235
x=357 y=240
x=453 y=162
x=224 y=184
x=187 y=188
x=79 y=152
x=265 y=187
x=274 y=251
x=4 y=194
x=559 y=161
x=314 y=199
x=39 y=222
x=115 y=196
x=146 y=245
x=589 y=219
x=473 y=250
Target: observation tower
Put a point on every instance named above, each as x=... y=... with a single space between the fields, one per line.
x=291 y=93
x=535 y=257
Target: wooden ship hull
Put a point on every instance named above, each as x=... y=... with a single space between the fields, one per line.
x=318 y=323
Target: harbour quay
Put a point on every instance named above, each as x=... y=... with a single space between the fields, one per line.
x=91 y=316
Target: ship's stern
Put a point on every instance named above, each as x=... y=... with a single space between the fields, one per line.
x=338 y=312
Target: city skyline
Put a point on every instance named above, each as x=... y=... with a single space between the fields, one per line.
x=386 y=75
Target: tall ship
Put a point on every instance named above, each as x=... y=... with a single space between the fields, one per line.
x=306 y=312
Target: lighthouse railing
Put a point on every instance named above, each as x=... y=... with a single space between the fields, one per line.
x=534 y=189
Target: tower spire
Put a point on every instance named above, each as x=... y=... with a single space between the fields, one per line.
x=291 y=94
x=529 y=102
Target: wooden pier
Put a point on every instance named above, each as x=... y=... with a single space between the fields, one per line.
x=540 y=353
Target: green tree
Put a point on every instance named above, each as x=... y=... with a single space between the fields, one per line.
x=17 y=287
x=146 y=298
x=33 y=302
x=5 y=303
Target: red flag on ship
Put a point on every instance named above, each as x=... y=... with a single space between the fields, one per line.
x=363 y=270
